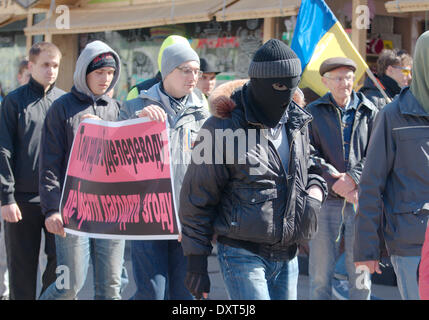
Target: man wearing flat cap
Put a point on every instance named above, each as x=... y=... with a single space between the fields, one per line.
x=207 y=81
x=339 y=135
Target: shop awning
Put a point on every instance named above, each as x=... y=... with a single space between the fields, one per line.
x=129 y=17
x=398 y=6
x=252 y=9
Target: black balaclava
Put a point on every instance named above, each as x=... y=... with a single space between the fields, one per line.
x=273 y=63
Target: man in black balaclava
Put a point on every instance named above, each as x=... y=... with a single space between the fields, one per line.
x=258 y=214
x=274 y=76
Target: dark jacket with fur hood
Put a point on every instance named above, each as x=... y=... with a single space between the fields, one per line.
x=241 y=196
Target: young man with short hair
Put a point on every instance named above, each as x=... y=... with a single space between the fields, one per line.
x=97 y=72
x=159 y=266
x=22 y=115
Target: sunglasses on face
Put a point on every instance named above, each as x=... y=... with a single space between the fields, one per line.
x=405 y=71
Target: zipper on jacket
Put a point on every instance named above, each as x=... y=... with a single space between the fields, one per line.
x=341 y=130
x=353 y=129
x=290 y=187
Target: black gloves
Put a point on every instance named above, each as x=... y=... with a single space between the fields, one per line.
x=197 y=278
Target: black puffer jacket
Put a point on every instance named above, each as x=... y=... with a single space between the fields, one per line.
x=260 y=211
x=21 y=119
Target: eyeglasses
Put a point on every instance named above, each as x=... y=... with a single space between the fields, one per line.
x=341 y=79
x=187 y=71
x=405 y=71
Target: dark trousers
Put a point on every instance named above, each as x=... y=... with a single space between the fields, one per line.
x=22 y=248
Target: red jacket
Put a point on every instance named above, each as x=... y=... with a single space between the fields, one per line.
x=424 y=269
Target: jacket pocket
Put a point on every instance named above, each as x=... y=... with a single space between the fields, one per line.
x=253 y=217
x=305 y=224
x=410 y=227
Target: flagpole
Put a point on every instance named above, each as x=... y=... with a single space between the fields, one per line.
x=374 y=79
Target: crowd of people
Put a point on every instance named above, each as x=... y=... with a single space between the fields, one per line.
x=345 y=167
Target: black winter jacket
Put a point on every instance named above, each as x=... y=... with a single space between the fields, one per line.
x=390 y=86
x=244 y=209
x=59 y=130
x=327 y=142
x=21 y=119
x=396 y=176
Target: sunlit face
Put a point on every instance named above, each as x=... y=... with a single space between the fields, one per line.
x=45 y=68
x=99 y=80
x=401 y=74
x=183 y=79
x=339 y=82
x=207 y=83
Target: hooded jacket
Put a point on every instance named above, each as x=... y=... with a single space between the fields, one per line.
x=396 y=177
x=21 y=119
x=258 y=211
x=184 y=126
x=396 y=174
x=62 y=122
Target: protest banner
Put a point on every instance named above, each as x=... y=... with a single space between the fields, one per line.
x=118 y=182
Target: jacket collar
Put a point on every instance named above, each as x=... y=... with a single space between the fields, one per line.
x=102 y=100
x=364 y=101
x=409 y=105
x=38 y=88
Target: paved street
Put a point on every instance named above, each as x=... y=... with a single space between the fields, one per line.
x=218 y=289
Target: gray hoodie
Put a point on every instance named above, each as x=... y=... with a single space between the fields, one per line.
x=62 y=122
x=92 y=50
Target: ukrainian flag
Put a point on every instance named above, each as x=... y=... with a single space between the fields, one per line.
x=318 y=36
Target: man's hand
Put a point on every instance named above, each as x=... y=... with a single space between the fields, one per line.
x=198 y=284
x=11 y=213
x=352 y=196
x=54 y=224
x=315 y=192
x=344 y=185
x=153 y=112
x=197 y=279
x=372 y=265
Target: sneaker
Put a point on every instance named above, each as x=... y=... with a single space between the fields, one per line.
x=340 y=289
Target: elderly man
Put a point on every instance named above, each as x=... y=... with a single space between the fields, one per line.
x=396 y=178
x=339 y=134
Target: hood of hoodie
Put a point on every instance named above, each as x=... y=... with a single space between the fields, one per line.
x=92 y=50
x=420 y=81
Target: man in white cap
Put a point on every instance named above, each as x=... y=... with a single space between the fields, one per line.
x=159 y=266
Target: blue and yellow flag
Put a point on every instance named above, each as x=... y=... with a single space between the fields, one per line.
x=318 y=36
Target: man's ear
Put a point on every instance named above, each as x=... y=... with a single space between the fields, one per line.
x=389 y=71
x=324 y=81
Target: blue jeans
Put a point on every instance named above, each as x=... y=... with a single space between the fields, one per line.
x=74 y=253
x=324 y=250
x=406 y=275
x=159 y=269
x=248 y=276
